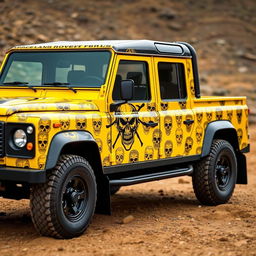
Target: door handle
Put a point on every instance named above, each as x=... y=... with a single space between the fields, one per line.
x=188 y=122
x=149 y=124
x=152 y=124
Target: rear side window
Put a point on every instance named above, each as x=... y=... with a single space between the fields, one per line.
x=136 y=71
x=172 y=80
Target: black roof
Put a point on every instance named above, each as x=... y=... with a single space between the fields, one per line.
x=133 y=46
x=152 y=47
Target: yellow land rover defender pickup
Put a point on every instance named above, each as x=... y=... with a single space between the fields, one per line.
x=78 y=120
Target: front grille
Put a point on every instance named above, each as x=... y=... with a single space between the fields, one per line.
x=2 y=153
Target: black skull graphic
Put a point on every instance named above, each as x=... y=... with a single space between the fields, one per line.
x=44 y=124
x=149 y=153
x=188 y=144
x=168 y=147
x=127 y=122
x=239 y=114
x=81 y=122
x=134 y=156
x=164 y=106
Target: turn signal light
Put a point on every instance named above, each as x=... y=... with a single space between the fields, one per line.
x=56 y=125
x=30 y=146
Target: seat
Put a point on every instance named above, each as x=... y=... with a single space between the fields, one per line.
x=135 y=76
x=140 y=91
x=76 y=77
x=168 y=89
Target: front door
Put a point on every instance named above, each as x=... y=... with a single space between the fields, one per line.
x=135 y=135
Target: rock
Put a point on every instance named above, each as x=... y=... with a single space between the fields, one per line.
x=74 y=15
x=249 y=56
x=175 y=26
x=248 y=235
x=239 y=53
x=2 y=43
x=242 y=69
x=223 y=239
x=221 y=41
x=240 y=243
x=61 y=32
x=82 y=18
x=128 y=219
x=161 y=192
x=203 y=79
x=60 y=249
x=152 y=9
x=221 y=92
x=182 y=181
x=167 y=14
x=29 y=12
x=42 y=37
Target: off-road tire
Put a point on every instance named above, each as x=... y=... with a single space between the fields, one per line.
x=114 y=190
x=47 y=200
x=207 y=181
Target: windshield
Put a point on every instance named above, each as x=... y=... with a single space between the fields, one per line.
x=79 y=69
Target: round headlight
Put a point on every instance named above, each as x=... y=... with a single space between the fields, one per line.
x=20 y=138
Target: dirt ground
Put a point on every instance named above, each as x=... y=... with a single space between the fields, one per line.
x=168 y=220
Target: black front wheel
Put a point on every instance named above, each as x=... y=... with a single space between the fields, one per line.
x=63 y=207
x=214 y=177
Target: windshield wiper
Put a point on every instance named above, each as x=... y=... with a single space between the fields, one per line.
x=16 y=82
x=61 y=85
x=22 y=84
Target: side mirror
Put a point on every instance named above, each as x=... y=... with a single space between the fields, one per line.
x=127 y=87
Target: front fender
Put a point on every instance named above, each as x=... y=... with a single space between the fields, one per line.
x=60 y=140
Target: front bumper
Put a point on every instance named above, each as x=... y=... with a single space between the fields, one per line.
x=21 y=175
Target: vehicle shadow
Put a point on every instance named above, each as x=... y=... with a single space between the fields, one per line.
x=133 y=201
x=144 y=204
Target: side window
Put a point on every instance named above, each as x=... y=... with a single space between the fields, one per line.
x=172 y=80
x=138 y=72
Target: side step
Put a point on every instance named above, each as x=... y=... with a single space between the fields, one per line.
x=151 y=177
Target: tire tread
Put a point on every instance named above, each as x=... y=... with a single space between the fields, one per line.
x=41 y=200
x=202 y=183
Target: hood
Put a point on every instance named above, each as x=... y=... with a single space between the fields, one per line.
x=9 y=106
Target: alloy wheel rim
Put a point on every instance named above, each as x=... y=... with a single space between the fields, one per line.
x=74 y=198
x=222 y=172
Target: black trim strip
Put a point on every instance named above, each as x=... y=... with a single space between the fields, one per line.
x=246 y=149
x=149 y=164
x=195 y=68
x=61 y=139
x=151 y=177
x=210 y=131
x=22 y=175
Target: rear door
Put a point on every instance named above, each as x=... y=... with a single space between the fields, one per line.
x=176 y=116
x=132 y=138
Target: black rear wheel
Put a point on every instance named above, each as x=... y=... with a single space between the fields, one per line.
x=63 y=207
x=214 y=177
